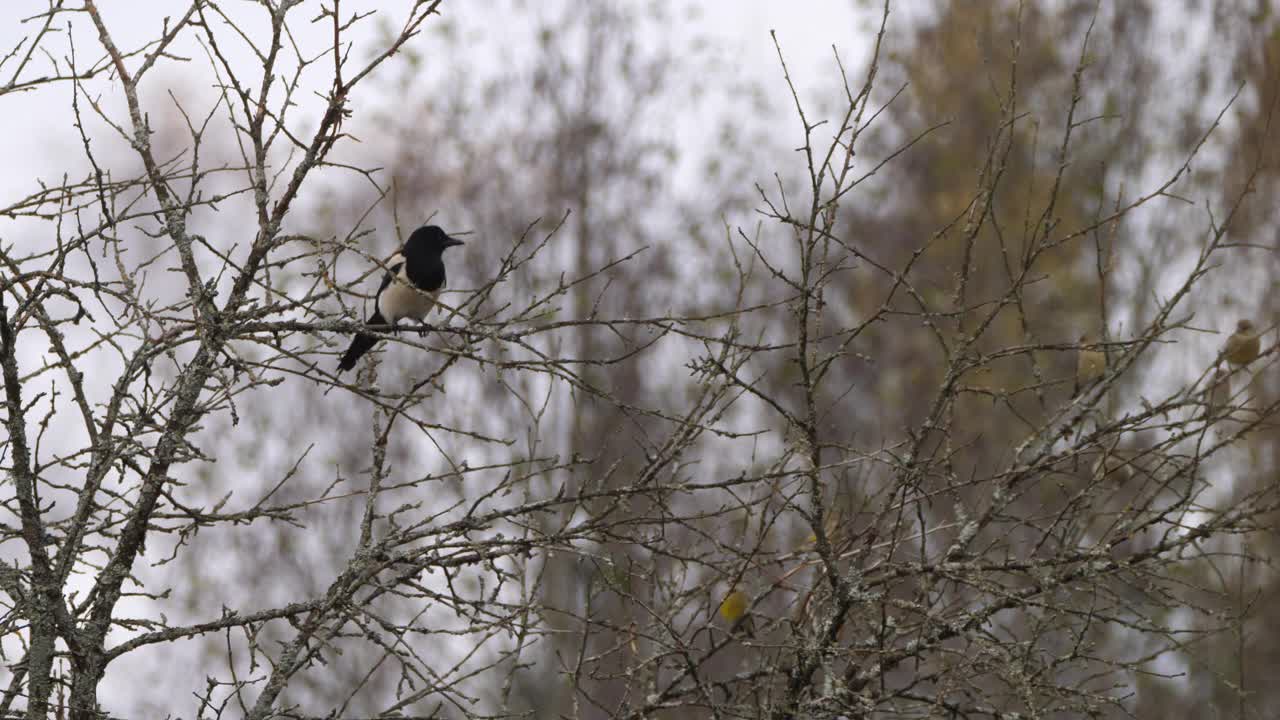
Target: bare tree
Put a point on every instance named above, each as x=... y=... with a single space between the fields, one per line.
x=868 y=468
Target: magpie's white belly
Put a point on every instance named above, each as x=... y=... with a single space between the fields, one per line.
x=402 y=300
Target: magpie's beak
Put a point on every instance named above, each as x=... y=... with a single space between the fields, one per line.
x=450 y=242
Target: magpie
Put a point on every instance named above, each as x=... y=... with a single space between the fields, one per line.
x=408 y=290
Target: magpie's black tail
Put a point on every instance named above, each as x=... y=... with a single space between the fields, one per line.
x=360 y=345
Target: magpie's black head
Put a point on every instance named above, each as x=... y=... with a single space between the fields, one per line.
x=429 y=240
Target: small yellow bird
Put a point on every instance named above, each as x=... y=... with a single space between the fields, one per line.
x=1243 y=345
x=734 y=606
x=1090 y=364
x=734 y=610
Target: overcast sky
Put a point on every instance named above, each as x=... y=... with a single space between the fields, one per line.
x=39 y=136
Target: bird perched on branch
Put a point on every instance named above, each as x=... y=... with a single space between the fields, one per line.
x=734 y=608
x=1090 y=364
x=1243 y=345
x=408 y=290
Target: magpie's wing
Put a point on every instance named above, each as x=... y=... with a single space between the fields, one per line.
x=388 y=276
x=394 y=264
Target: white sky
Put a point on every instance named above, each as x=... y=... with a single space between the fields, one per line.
x=38 y=135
